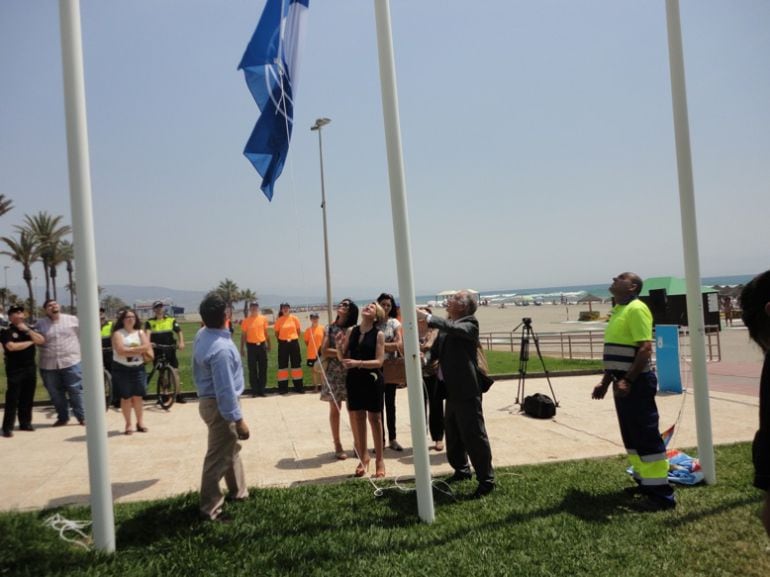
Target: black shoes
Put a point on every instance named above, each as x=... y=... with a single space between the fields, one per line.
x=181 y=400
x=396 y=446
x=7 y=434
x=60 y=423
x=483 y=490
x=299 y=390
x=653 y=504
x=459 y=476
x=26 y=428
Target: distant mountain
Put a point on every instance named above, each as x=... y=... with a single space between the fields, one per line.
x=132 y=294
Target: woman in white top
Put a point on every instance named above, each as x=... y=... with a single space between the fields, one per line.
x=129 y=343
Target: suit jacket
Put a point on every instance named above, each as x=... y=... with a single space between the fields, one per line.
x=455 y=347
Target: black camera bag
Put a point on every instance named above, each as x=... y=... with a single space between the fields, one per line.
x=539 y=406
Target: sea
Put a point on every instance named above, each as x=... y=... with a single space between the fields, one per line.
x=571 y=293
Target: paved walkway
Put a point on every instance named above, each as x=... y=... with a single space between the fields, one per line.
x=291 y=442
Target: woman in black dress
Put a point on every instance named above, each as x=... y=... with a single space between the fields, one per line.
x=362 y=352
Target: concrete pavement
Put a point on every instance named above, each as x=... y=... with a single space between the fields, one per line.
x=291 y=442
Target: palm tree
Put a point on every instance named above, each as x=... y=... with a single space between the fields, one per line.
x=247 y=295
x=7 y=297
x=67 y=252
x=57 y=258
x=46 y=231
x=5 y=204
x=25 y=251
x=229 y=291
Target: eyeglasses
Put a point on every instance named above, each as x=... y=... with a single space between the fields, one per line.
x=129 y=317
x=344 y=305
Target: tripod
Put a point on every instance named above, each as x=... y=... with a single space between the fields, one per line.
x=528 y=333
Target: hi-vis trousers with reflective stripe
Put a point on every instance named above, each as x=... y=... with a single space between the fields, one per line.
x=638 y=418
x=288 y=353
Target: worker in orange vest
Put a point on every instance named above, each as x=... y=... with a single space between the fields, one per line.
x=314 y=336
x=287 y=329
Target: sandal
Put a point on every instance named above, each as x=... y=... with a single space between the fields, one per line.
x=339 y=453
x=128 y=432
x=439 y=446
x=142 y=429
x=361 y=469
x=380 y=472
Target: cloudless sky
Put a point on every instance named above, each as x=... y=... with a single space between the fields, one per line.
x=538 y=142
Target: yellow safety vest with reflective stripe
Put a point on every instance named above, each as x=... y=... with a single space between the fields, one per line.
x=164 y=325
x=629 y=324
x=107 y=330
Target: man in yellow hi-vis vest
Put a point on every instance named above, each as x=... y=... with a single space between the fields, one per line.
x=627 y=353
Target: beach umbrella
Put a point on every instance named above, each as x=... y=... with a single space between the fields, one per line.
x=589 y=298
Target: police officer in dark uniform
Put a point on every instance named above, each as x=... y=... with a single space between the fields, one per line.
x=19 y=341
x=106 y=334
x=164 y=330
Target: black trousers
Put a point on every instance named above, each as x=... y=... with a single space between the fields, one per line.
x=288 y=353
x=19 y=396
x=256 y=360
x=466 y=437
x=390 y=410
x=435 y=394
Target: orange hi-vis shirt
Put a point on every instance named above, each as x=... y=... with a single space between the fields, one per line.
x=287 y=328
x=255 y=329
x=314 y=337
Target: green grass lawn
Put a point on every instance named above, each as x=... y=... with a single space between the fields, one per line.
x=500 y=362
x=560 y=519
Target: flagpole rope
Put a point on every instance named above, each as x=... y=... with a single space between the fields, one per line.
x=63 y=525
x=298 y=238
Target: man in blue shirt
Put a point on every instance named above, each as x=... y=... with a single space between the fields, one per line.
x=218 y=376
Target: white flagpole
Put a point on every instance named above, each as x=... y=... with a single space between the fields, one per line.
x=690 y=242
x=403 y=259
x=85 y=257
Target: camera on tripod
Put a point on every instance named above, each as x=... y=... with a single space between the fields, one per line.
x=527 y=333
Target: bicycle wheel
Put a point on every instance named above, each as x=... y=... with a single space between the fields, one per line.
x=107 y=389
x=168 y=387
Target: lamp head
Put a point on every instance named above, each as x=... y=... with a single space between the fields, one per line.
x=320 y=122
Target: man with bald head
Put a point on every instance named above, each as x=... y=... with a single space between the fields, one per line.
x=627 y=354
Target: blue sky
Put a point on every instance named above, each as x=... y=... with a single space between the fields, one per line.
x=538 y=142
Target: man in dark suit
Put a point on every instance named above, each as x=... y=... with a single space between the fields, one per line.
x=466 y=435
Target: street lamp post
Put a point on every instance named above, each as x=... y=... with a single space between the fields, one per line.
x=319 y=123
x=5 y=295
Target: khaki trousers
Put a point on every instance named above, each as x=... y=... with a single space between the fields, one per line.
x=222 y=460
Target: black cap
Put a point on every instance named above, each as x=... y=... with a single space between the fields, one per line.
x=254 y=304
x=313 y=315
x=285 y=305
x=15 y=309
x=157 y=304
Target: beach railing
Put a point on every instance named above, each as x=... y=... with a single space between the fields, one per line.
x=566 y=345
x=587 y=344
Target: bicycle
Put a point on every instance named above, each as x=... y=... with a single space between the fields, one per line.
x=107 y=380
x=167 y=385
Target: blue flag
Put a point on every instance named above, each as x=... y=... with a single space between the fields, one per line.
x=270 y=66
